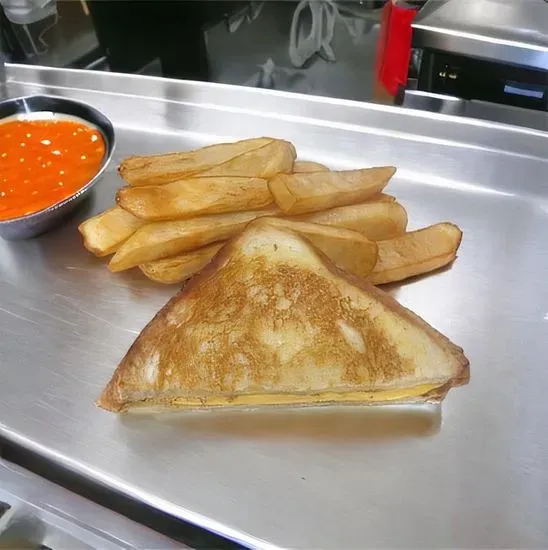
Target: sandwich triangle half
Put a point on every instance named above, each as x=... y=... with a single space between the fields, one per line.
x=272 y=321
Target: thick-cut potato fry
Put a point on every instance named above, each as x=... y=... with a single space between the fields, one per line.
x=274 y=158
x=416 y=252
x=382 y=197
x=374 y=220
x=181 y=267
x=194 y=197
x=105 y=232
x=277 y=156
x=303 y=166
x=348 y=249
x=165 y=239
x=311 y=192
x=180 y=208
x=159 y=169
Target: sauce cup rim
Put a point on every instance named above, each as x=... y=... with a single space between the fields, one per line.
x=101 y=120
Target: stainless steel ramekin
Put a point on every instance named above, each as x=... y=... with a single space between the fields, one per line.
x=44 y=106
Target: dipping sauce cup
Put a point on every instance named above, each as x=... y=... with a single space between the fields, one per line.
x=53 y=150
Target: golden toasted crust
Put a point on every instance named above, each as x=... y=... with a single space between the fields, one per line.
x=219 y=334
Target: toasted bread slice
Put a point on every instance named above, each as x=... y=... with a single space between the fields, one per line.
x=271 y=321
x=347 y=249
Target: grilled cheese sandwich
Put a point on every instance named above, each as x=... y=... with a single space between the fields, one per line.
x=271 y=321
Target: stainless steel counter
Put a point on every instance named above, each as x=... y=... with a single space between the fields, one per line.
x=506 y=31
x=479 y=110
x=472 y=474
x=35 y=513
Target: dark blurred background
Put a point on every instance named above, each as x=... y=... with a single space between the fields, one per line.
x=314 y=46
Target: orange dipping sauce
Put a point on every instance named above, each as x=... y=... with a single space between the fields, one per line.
x=43 y=162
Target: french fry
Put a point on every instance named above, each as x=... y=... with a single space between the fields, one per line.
x=374 y=220
x=180 y=208
x=416 y=253
x=347 y=249
x=165 y=239
x=267 y=161
x=105 y=232
x=311 y=192
x=382 y=197
x=181 y=267
x=304 y=166
x=263 y=156
x=193 y=197
x=159 y=169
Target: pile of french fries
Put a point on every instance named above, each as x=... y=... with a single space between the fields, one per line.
x=178 y=209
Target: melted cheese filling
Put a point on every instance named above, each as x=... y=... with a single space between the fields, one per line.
x=298 y=399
